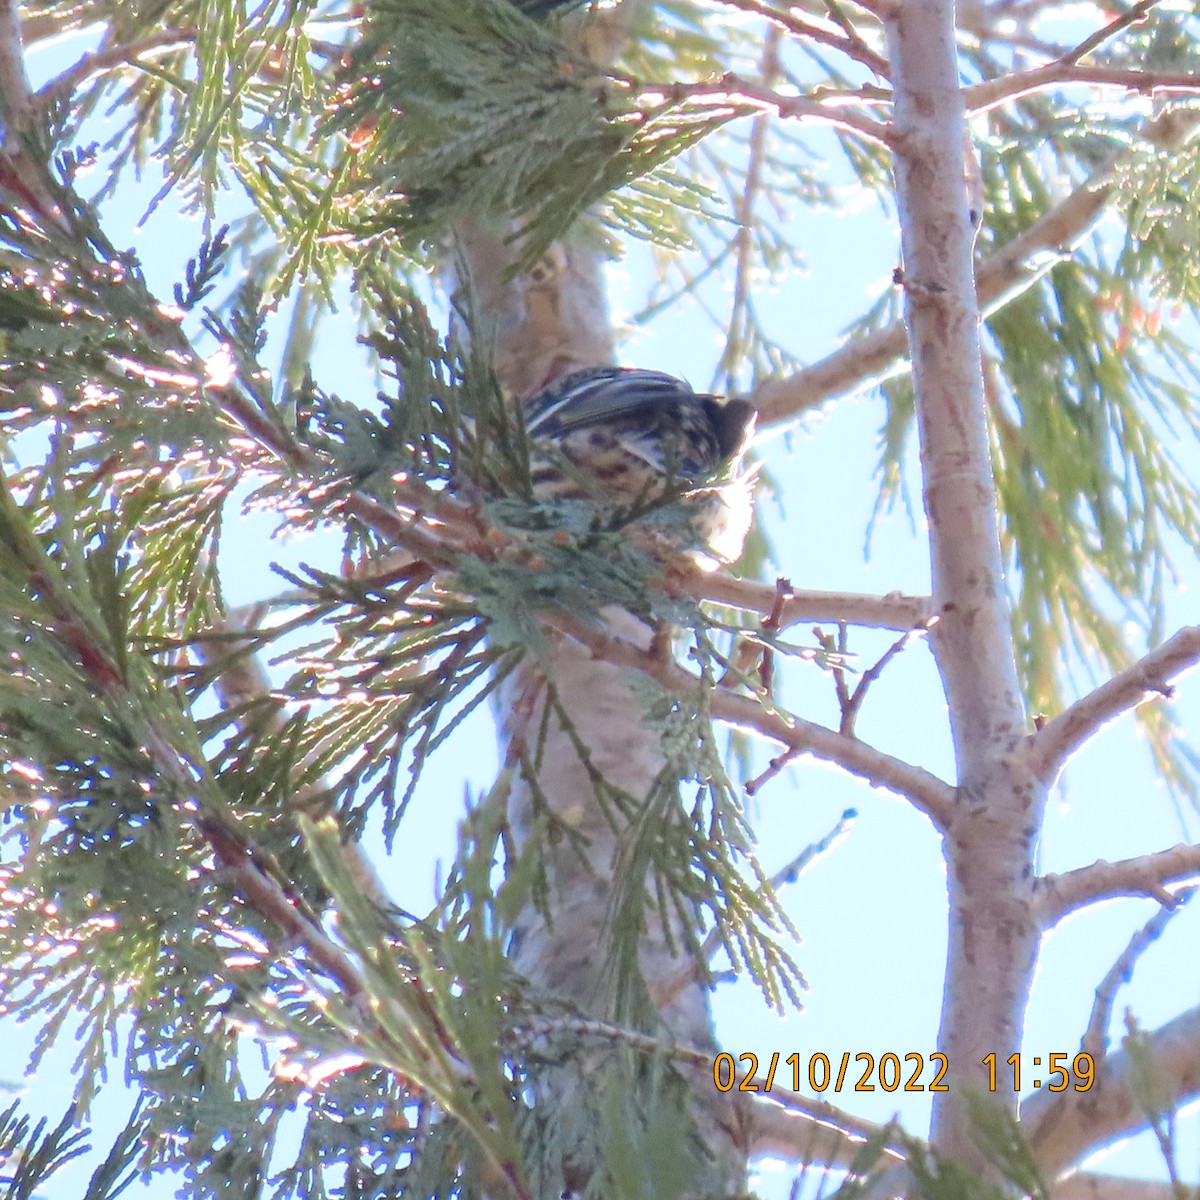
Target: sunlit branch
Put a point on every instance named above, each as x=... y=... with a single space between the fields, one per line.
x=733 y=90
x=790 y=22
x=95 y=61
x=14 y=82
x=1095 y=1038
x=1051 y=746
x=874 y=357
x=435 y=523
x=892 y=611
x=1131 y=16
x=791 y=1126
x=981 y=97
x=1086 y=1186
x=924 y=790
x=1147 y=875
x=1064 y=1129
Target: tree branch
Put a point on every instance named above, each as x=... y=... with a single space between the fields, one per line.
x=924 y=790
x=1095 y=1038
x=16 y=98
x=94 y=61
x=1048 y=750
x=993 y=940
x=801 y=1129
x=893 y=611
x=788 y=21
x=1055 y=896
x=732 y=88
x=870 y=359
x=1131 y=16
x=981 y=97
x=1064 y=1129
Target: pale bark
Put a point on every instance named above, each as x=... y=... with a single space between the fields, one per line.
x=875 y=357
x=1064 y=1129
x=1148 y=678
x=1055 y=896
x=993 y=936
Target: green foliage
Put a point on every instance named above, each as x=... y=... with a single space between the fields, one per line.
x=472 y=110
x=32 y=1153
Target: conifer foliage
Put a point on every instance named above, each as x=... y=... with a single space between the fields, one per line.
x=186 y=787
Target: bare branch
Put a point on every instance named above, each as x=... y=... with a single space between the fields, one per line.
x=893 y=611
x=1051 y=746
x=875 y=357
x=814 y=1133
x=740 y=311
x=838 y=37
x=731 y=89
x=795 y=1127
x=1131 y=16
x=15 y=95
x=1067 y=1127
x=1095 y=1038
x=981 y=97
x=854 y=702
x=924 y=790
x=95 y=61
x=1148 y=875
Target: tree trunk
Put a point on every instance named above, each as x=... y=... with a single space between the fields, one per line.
x=542 y=324
x=992 y=832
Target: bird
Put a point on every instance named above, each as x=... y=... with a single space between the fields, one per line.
x=632 y=439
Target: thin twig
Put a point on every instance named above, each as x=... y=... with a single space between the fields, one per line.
x=776 y=764
x=792 y=871
x=732 y=90
x=852 y=46
x=851 y=708
x=1095 y=1038
x=1131 y=16
x=925 y=790
x=739 y=315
